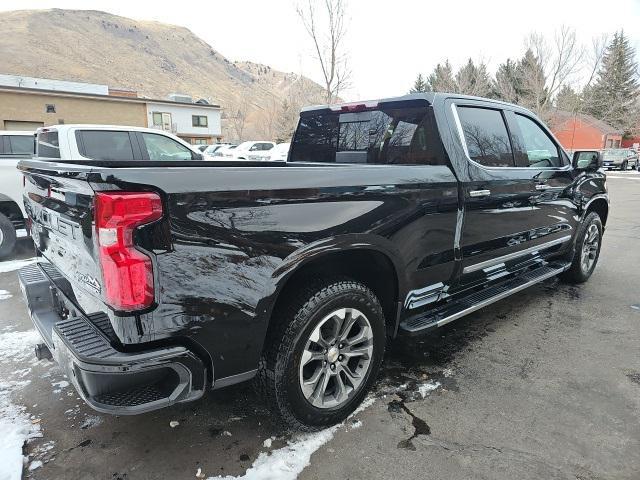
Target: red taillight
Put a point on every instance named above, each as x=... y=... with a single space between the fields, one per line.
x=127 y=273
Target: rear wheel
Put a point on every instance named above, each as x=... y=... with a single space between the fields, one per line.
x=587 y=250
x=323 y=354
x=7 y=236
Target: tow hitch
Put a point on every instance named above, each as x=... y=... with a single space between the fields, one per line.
x=42 y=352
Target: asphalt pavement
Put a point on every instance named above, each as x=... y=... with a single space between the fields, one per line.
x=542 y=385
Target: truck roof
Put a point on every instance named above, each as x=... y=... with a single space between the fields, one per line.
x=428 y=97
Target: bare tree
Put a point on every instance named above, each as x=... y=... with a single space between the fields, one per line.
x=556 y=65
x=237 y=117
x=327 y=30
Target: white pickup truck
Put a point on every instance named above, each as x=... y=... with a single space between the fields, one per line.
x=74 y=142
x=14 y=146
x=111 y=143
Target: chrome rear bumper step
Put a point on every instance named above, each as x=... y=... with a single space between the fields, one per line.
x=468 y=304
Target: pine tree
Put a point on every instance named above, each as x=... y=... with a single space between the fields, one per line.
x=507 y=85
x=473 y=80
x=441 y=80
x=419 y=86
x=532 y=81
x=614 y=96
x=568 y=99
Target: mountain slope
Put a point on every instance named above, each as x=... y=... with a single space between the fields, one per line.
x=152 y=58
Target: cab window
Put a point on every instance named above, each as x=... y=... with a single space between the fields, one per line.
x=486 y=136
x=534 y=146
x=159 y=147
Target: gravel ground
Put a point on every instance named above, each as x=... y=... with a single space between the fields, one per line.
x=545 y=384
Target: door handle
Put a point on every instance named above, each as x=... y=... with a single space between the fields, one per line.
x=479 y=193
x=542 y=186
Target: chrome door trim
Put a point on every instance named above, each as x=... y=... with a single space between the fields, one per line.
x=510 y=256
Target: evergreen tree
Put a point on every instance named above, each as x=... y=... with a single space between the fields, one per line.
x=507 y=85
x=568 y=99
x=420 y=85
x=441 y=80
x=473 y=80
x=531 y=82
x=615 y=93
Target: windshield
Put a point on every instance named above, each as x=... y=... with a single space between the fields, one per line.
x=614 y=153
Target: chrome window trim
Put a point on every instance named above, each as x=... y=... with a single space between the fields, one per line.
x=463 y=141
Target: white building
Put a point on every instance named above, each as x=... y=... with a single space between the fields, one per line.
x=51 y=84
x=197 y=123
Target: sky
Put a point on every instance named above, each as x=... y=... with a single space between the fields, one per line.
x=388 y=42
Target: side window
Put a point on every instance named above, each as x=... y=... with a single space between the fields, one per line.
x=105 y=145
x=21 y=144
x=486 y=136
x=159 y=147
x=536 y=147
x=48 y=146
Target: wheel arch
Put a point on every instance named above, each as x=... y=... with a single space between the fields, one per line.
x=369 y=265
x=599 y=205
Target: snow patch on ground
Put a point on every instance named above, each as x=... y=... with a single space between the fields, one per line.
x=16 y=426
x=91 y=421
x=288 y=462
x=5 y=295
x=425 y=388
x=12 y=265
x=18 y=346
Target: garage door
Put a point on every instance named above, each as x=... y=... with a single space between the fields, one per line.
x=25 y=126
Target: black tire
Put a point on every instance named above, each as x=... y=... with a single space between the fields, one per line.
x=7 y=236
x=278 y=377
x=577 y=273
x=624 y=166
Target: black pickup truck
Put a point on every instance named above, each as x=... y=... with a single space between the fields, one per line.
x=161 y=280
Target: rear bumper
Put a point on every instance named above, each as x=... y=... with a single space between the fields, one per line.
x=108 y=379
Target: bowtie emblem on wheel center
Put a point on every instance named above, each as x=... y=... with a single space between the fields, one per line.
x=332 y=354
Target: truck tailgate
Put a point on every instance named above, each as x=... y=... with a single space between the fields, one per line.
x=59 y=204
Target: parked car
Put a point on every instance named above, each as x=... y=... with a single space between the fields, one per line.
x=255 y=150
x=156 y=288
x=211 y=149
x=111 y=143
x=279 y=152
x=225 y=152
x=620 y=158
x=13 y=147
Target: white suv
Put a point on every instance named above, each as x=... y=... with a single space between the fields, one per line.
x=255 y=150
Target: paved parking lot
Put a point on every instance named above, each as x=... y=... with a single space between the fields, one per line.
x=545 y=384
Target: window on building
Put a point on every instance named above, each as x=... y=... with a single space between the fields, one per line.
x=105 y=144
x=199 y=141
x=535 y=145
x=157 y=118
x=160 y=147
x=485 y=134
x=199 y=121
x=50 y=108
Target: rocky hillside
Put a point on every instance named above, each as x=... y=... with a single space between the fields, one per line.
x=152 y=58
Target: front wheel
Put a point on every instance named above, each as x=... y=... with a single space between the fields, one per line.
x=623 y=167
x=323 y=354
x=587 y=250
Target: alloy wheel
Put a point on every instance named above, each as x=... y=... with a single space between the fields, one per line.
x=336 y=358
x=590 y=247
